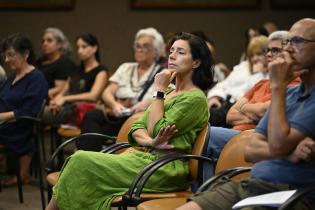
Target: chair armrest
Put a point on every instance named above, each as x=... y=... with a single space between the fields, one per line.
x=116 y=147
x=50 y=168
x=228 y=173
x=296 y=197
x=21 y=118
x=140 y=181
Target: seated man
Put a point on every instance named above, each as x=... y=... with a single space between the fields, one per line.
x=283 y=145
x=249 y=109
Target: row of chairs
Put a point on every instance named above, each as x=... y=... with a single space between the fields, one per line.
x=230 y=164
x=231 y=156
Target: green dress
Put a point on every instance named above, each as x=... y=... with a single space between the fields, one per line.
x=91 y=180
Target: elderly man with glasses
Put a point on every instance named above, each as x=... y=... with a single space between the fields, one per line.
x=249 y=109
x=283 y=146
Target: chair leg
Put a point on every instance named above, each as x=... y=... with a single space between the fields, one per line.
x=19 y=184
x=49 y=192
x=38 y=163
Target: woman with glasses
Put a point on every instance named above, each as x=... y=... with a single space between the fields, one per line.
x=87 y=86
x=244 y=75
x=54 y=61
x=22 y=94
x=129 y=90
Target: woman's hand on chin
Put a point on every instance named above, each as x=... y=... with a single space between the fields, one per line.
x=164 y=78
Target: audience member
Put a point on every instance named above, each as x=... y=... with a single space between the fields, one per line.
x=249 y=109
x=270 y=27
x=22 y=94
x=170 y=125
x=86 y=86
x=54 y=61
x=250 y=33
x=129 y=91
x=282 y=146
x=245 y=75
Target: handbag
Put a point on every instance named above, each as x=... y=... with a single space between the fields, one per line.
x=73 y=113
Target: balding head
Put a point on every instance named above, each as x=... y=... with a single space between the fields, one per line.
x=301 y=45
x=306 y=26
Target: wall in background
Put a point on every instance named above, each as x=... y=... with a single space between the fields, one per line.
x=115 y=24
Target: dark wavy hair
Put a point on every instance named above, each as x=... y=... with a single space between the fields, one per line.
x=203 y=75
x=21 y=44
x=91 y=40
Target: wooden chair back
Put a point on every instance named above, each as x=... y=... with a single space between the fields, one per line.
x=124 y=130
x=232 y=154
x=199 y=148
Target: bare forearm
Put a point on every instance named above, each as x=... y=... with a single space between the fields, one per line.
x=52 y=92
x=6 y=115
x=81 y=97
x=278 y=125
x=236 y=117
x=156 y=113
x=109 y=99
x=257 y=150
x=142 y=137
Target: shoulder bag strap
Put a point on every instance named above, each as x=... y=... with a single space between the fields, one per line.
x=150 y=81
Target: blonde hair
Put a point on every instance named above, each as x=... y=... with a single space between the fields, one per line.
x=257 y=45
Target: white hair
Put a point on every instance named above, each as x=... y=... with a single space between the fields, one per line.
x=277 y=35
x=158 y=40
x=61 y=38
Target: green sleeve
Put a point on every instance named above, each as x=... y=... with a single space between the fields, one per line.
x=188 y=112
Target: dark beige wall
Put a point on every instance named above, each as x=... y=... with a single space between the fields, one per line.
x=115 y=24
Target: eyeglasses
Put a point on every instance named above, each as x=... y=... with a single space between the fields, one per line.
x=8 y=55
x=296 y=40
x=144 y=48
x=273 y=50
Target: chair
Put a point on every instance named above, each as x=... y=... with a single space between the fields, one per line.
x=230 y=163
x=134 y=196
x=121 y=141
x=37 y=140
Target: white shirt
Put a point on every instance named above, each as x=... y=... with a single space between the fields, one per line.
x=233 y=84
x=129 y=85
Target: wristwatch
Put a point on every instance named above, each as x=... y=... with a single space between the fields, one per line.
x=159 y=95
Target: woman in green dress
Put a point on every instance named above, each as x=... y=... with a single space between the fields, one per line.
x=91 y=180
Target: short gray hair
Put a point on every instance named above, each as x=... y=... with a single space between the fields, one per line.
x=277 y=35
x=158 y=40
x=61 y=38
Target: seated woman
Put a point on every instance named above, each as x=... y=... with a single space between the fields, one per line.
x=225 y=93
x=169 y=125
x=129 y=87
x=22 y=94
x=92 y=78
x=54 y=61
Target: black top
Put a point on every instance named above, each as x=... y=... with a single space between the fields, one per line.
x=83 y=81
x=61 y=69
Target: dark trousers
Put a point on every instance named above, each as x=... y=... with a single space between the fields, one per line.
x=96 y=121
